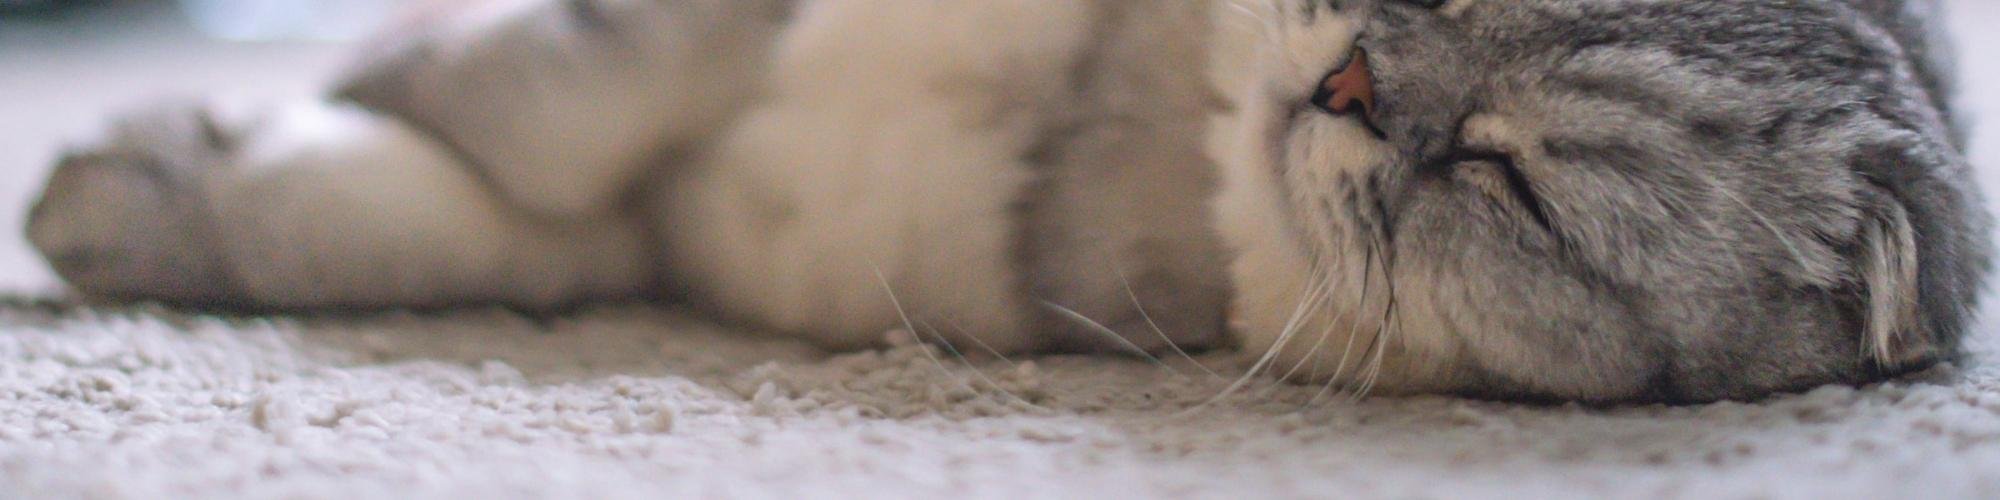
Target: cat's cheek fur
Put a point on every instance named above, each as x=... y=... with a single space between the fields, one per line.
x=1315 y=319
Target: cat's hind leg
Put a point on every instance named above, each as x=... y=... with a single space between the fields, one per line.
x=562 y=105
x=484 y=158
x=311 y=206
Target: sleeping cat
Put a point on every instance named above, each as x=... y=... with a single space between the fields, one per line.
x=1588 y=200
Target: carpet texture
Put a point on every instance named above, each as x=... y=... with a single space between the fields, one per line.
x=643 y=402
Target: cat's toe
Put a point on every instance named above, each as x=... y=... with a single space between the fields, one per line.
x=126 y=218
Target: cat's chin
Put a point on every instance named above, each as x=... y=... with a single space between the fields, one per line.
x=1311 y=327
x=1330 y=333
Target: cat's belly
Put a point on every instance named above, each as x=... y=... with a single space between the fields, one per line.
x=838 y=239
x=880 y=189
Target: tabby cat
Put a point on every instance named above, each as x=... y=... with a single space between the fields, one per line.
x=1574 y=200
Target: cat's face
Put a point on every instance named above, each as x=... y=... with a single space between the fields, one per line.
x=1606 y=200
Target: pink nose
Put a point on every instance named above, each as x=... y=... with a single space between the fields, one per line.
x=1350 y=87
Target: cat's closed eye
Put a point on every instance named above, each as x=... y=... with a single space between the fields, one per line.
x=1578 y=199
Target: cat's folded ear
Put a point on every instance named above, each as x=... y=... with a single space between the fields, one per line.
x=1895 y=331
x=1923 y=255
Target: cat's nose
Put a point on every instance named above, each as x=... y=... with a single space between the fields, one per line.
x=1349 y=88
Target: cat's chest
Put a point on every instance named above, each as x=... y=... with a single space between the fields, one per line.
x=960 y=167
x=876 y=184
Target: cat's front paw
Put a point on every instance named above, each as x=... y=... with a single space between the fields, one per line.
x=126 y=217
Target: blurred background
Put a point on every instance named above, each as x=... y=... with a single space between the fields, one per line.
x=66 y=64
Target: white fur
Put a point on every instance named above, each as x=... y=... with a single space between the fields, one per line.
x=890 y=143
x=1312 y=317
x=333 y=205
x=881 y=152
x=1277 y=302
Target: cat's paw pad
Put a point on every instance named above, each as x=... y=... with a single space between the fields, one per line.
x=126 y=217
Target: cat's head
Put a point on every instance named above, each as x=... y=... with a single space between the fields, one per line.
x=1599 y=200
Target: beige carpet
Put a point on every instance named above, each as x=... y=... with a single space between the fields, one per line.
x=630 y=401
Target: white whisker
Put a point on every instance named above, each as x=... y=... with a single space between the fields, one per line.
x=1353 y=332
x=1306 y=304
x=1311 y=352
x=976 y=372
x=1134 y=296
x=1390 y=321
x=912 y=326
x=1798 y=256
x=1099 y=328
x=1380 y=346
x=983 y=346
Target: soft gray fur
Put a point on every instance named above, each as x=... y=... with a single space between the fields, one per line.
x=1716 y=214
x=1726 y=199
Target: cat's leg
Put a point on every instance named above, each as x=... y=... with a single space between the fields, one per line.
x=484 y=163
x=312 y=206
x=563 y=104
